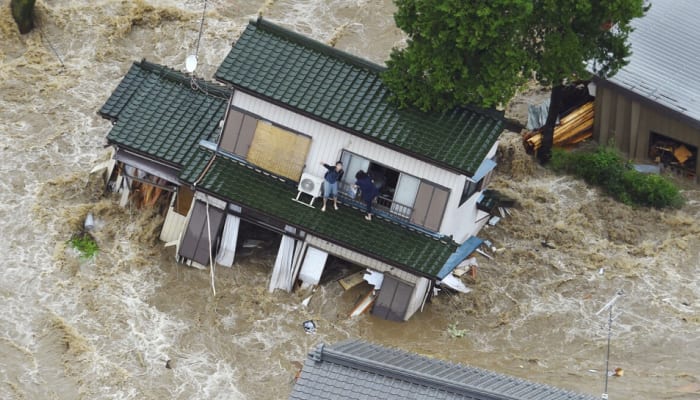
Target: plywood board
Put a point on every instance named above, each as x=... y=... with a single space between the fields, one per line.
x=279 y=151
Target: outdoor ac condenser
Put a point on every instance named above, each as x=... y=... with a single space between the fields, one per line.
x=311 y=185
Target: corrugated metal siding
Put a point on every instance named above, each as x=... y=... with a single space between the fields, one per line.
x=360 y=259
x=630 y=124
x=173 y=226
x=328 y=143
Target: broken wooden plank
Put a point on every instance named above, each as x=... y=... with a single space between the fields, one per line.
x=483 y=253
x=351 y=281
x=364 y=304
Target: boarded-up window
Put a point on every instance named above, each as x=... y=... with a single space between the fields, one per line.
x=196 y=244
x=239 y=130
x=430 y=204
x=393 y=300
x=183 y=200
x=279 y=151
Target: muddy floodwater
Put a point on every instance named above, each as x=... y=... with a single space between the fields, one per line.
x=104 y=328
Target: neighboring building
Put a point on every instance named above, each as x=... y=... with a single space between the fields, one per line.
x=651 y=107
x=355 y=370
x=246 y=151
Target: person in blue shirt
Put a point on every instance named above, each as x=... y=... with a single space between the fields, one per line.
x=368 y=189
x=330 y=184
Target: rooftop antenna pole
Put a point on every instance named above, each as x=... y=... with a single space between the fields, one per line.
x=609 y=307
x=191 y=60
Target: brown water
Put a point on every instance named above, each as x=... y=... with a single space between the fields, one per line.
x=104 y=328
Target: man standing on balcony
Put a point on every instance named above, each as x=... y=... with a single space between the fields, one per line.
x=368 y=189
x=330 y=184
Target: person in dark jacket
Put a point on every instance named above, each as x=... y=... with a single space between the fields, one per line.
x=368 y=190
x=330 y=184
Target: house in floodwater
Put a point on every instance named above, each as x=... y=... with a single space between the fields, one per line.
x=354 y=369
x=250 y=150
x=650 y=109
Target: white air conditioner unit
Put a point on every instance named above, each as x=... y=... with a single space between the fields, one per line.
x=310 y=185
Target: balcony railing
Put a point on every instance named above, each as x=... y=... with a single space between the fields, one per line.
x=382 y=203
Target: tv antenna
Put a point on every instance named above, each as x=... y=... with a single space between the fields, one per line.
x=609 y=308
x=191 y=60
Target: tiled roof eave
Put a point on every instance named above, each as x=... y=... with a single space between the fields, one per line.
x=403 y=267
x=143 y=154
x=399 y=149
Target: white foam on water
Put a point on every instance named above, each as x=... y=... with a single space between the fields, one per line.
x=532 y=306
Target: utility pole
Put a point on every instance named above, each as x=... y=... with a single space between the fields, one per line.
x=609 y=307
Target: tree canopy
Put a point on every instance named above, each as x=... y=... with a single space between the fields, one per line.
x=482 y=51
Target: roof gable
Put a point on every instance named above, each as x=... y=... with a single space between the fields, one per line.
x=386 y=241
x=159 y=112
x=663 y=66
x=374 y=371
x=345 y=91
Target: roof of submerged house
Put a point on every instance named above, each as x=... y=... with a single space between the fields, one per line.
x=354 y=370
x=345 y=91
x=255 y=189
x=663 y=66
x=160 y=112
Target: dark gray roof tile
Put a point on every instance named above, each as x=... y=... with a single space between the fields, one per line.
x=373 y=371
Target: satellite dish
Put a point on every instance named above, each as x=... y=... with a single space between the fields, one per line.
x=191 y=63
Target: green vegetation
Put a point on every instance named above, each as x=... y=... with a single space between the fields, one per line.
x=606 y=168
x=454 y=332
x=482 y=52
x=23 y=13
x=85 y=244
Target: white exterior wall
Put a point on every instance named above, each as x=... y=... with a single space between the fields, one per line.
x=464 y=218
x=328 y=142
x=420 y=294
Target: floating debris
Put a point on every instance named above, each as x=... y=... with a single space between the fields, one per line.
x=309 y=327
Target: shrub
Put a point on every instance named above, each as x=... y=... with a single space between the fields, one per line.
x=606 y=168
x=85 y=244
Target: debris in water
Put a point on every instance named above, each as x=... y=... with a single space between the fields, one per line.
x=617 y=372
x=252 y=243
x=483 y=253
x=168 y=365
x=548 y=245
x=494 y=220
x=601 y=271
x=89 y=222
x=309 y=327
x=465 y=266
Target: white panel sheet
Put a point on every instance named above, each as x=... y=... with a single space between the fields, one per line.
x=284 y=263
x=313 y=265
x=229 y=239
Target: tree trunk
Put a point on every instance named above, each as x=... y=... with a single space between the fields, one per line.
x=23 y=13
x=544 y=153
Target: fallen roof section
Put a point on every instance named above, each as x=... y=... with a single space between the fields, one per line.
x=254 y=189
x=354 y=370
x=345 y=91
x=162 y=113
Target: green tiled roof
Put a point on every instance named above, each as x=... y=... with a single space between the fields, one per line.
x=160 y=113
x=383 y=240
x=345 y=91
